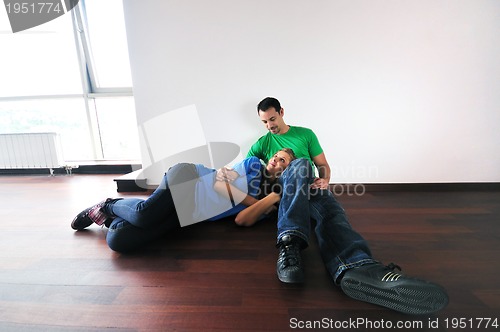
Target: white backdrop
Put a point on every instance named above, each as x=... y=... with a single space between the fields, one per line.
x=398 y=91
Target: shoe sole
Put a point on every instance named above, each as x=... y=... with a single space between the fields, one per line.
x=80 y=227
x=78 y=224
x=298 y=280
x=408 y=298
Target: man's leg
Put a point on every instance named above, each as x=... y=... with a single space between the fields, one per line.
x=294 y=222
x=349 y=262
x=340 y=245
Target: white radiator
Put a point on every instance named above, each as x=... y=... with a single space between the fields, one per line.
x=30 y=150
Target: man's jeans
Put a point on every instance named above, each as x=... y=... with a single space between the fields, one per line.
x=138 y=221
x=341 y=246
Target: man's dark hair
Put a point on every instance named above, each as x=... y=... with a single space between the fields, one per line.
x=267 y=103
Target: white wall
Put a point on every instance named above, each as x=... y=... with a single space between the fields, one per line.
x=397 y=91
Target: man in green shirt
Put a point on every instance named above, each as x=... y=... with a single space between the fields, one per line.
x=303 y=141
x=345 y=253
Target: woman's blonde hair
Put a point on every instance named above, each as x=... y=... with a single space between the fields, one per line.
x=290 y=153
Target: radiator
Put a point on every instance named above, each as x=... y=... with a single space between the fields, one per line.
x=30 y=150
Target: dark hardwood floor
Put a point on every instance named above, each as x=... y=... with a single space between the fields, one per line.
x=217 y=276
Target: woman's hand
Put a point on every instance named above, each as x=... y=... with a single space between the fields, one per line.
x=226 y=174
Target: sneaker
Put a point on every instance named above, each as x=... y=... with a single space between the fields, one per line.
x=93 y=214
x=289 y=264
x=378 y=284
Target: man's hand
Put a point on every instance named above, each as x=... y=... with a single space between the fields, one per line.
x=320 y=183
x=226 y=174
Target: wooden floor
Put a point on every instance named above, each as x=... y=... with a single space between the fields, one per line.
x=217 y=276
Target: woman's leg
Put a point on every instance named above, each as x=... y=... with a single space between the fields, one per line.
x=124 y=237
x=160 y=205
x=139 y=221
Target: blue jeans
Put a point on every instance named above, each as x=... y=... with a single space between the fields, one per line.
x=138 y=222
x=341 y=247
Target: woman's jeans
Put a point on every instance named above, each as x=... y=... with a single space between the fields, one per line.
x=138 y=222
x=340 y=245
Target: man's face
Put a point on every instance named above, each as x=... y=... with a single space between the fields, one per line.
x=272 y=120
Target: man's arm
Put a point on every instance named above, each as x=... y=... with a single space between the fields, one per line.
x=323 y=170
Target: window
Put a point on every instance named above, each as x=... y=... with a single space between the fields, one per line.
x=107 y=44
x=39 y=61
x=66 y=116
x=72 y=76
x=118 y=127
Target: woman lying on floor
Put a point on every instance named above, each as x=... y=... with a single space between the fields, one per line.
x=188 y=193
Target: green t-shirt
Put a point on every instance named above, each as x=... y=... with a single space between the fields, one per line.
x=302 y=141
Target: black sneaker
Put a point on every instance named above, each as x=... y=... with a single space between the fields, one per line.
x=289 y=264
x=93 y=214
x=378 y=284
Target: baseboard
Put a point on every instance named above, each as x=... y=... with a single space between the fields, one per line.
x=436 y=187
x=132 y=183
x=77 y=169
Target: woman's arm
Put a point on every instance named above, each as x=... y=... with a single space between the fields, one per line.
x=255 y=208
x=234 y=194
x=251 y=214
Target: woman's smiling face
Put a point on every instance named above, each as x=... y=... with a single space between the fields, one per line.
x=278 y=163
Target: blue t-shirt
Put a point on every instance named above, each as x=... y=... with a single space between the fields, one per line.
x=210 y=205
